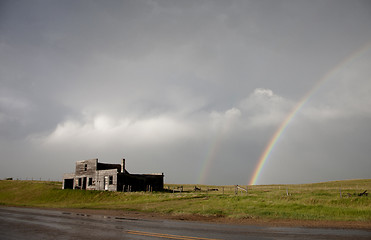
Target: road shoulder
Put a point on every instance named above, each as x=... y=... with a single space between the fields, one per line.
x=223 y=220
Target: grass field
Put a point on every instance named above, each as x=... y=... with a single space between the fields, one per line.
x=334 y=201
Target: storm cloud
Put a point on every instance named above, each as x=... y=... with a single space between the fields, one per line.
x=194 y=89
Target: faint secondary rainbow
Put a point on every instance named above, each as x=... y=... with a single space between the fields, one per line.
x=219 y=132
x=280 y=130
x=210 y=156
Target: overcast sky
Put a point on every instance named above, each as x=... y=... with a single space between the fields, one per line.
x=194 y=89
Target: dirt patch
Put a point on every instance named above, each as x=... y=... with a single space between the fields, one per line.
x=220 y=219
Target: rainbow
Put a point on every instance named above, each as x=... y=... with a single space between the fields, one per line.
x=283 y=126
x=210 y=156
x=219 y=131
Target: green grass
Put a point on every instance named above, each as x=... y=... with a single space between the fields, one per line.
x=319 y=201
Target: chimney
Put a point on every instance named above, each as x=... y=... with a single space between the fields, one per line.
x=123 y=165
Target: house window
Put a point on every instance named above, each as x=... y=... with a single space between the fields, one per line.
x=86 y=167
x=79 y=183
x=90 y=182
x=110 y=180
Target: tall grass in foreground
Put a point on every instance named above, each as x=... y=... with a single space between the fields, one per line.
x=321 y=201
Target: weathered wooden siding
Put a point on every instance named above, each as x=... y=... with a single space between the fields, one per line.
x=86 y=167
x=103 y=180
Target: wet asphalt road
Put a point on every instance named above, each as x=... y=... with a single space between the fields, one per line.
x=26 y=223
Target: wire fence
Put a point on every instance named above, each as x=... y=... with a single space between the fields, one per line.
x=33 y=179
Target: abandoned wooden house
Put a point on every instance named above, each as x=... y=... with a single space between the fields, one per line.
x=93 y=175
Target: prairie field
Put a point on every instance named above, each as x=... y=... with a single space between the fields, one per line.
x=330 y=201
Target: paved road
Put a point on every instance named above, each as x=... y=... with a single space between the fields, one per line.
x=25 y=223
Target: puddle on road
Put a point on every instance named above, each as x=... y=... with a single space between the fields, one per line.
x=128 y=219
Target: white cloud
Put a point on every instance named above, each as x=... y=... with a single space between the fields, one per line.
x=223 y=121
x=263 y=108
x=102 y=128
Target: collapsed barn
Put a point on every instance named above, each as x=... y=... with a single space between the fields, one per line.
x=93 y=175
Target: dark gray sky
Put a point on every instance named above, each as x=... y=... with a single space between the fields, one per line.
x=194 y=89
